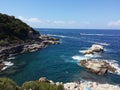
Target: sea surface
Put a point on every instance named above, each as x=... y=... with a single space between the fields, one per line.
x=61 y=62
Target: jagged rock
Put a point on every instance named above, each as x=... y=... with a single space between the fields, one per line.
x=33 y=35
x=2 y=65
x=17 y=37
x=58 y=83
x=97 y=66
x=45 y=37
x=91 y=85
x=51 y=82
x=44 y=79
x=94 y=48
x=30 y=46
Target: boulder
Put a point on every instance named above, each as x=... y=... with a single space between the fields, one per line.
x=97 y=66
x=44 y=79
x=94 y=48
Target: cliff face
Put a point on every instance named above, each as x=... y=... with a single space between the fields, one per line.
x=14 y=31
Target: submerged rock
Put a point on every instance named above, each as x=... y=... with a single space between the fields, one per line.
x=97 y=66
x=94 y=48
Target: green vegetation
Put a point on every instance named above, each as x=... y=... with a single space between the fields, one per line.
x=36 y=85
x=13 y=30
x=8 y=84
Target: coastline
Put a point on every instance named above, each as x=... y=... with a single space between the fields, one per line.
x=7 y=53
x=45 y=84
x=90 y=86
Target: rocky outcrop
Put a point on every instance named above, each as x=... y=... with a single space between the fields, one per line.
x=33 y=35
x=94 y=48
x=97 y=66
x=45 y=80
x=29 y=46
x=44 y=41
x=8 y=84
x=2 y=65
x=89 y=86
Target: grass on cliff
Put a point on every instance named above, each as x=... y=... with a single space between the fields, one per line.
x=8 y=84
x=36 y=85
x=13 y=30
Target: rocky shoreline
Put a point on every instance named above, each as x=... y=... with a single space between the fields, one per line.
x=43 y=41
x=45 y=84
x=90 y=86
x=81 y=85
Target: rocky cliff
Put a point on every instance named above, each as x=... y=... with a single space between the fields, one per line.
x=14 y=31
x=17 y=37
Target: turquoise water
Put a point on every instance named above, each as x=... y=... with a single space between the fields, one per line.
x=59 y=62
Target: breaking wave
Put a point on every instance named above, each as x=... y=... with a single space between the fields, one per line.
x=78 y=58
x=101 y=43
x=62 y=36
x=114 y=64
x=7 y=65
x=85 y=34
x=91 y=34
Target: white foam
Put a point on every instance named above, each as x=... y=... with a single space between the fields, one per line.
x=108 y=50
x=91 y=34
x=76 y=57
x=10 y=58
x=114 y=64
x=8 y=64
x=62 y=36
x=102 y=43
x=89 y=55
x=82 y=51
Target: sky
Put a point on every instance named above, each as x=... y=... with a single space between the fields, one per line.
x=82 y=14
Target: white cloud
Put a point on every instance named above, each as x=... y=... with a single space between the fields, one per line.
x=114 y=23
x=35 y=22
x=30 y=20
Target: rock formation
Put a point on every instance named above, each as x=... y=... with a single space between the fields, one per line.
x=44 y=79
x=97 y=66
x=89 y=86
x=94 y=48
x=17 y=37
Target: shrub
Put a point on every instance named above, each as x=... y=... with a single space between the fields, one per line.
x=30 y=85
x=8 y=84
x=35 y=85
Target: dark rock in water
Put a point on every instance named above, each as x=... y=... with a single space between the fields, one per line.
x=97 y=66
x=2 y=65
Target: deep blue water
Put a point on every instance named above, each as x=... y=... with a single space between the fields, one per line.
x=61 y=62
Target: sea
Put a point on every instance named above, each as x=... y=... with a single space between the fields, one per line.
x=61 y=62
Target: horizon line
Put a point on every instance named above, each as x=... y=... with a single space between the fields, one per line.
x=79 y=28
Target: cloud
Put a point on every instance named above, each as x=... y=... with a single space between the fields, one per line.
x=36 y=22
x=114 y=23
x=30 y=20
